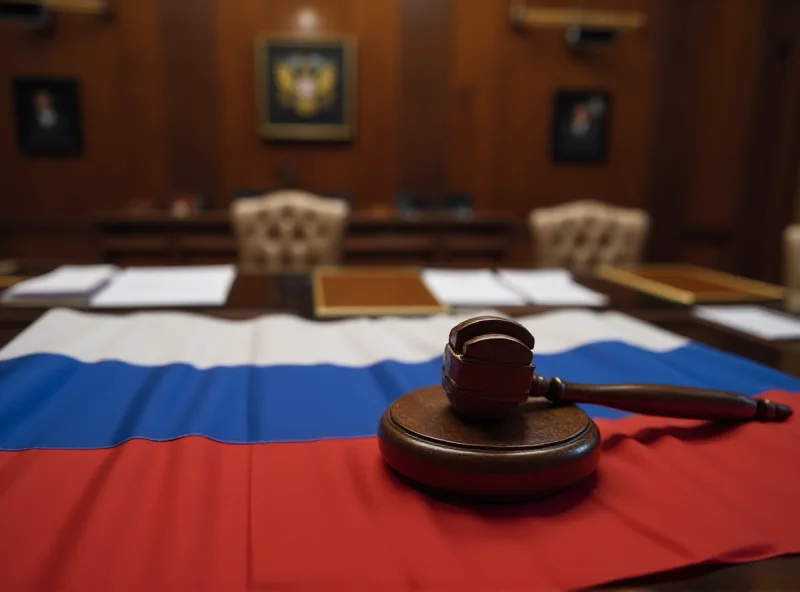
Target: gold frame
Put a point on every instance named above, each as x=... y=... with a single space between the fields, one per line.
x=322 y=310
x=749 y=290
x=305 y=131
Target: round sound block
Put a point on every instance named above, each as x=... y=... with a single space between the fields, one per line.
x=539 y=449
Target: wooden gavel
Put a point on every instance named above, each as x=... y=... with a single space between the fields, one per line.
x=488 y=372
x=497 y=431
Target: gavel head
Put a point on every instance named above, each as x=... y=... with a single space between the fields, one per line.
x=488 y=370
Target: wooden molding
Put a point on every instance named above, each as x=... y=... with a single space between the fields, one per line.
x=98 y=7
x=539 y=17
x=84 y=6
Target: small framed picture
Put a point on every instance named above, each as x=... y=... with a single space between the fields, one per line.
x=581 y=126
x=306 y=88
x=48 y=116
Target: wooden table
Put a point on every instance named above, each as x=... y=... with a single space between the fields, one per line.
x=254 y=295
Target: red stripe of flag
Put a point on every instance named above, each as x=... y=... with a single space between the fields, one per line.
x=196 y=514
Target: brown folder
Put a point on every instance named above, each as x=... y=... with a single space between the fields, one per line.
x=689 y=284
x=365 y=291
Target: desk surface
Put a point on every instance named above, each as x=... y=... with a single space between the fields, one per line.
x=254 y=295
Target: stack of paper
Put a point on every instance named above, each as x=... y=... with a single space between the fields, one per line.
x=550 y=287
x=68 y=282
x=469 y=288
x=753 y=320
x=168 y=286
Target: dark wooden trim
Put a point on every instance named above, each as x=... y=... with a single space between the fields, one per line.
x=188 y=33
x=429 y=238
x=48 y=227
x=759 y=152
x=774 y=145
x=707 y=235
x=784 y=36
x=666 y=185
x=427 y=39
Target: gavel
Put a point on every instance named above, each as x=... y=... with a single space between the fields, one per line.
x=488 y=371
x=496 y=430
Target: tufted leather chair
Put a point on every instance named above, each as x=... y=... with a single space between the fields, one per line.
x=583 y=234
x=791 y=257
x=288 y=231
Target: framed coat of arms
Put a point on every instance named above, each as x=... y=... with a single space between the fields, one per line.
x=306 y=88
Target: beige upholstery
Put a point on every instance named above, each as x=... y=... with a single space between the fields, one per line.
x=288 y=231
x=791 y=256
x=583 y=234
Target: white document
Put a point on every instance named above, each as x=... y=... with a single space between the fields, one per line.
x=168 y=286
x=550 y=287
x=469 y=288
x=754 y=320
x=67 y=281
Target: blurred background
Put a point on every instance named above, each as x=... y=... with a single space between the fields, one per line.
x=459 y=106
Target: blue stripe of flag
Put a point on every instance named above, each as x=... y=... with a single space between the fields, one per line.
x=53 y=401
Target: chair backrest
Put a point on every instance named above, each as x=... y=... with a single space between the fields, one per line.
x=288 y=231
x=791 y=256
x=582 y=234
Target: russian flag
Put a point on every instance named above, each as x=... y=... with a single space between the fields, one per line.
x=168 y=451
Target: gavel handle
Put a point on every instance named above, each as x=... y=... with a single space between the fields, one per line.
x=666 y=401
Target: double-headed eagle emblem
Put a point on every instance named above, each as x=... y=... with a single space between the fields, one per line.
x=305 y=83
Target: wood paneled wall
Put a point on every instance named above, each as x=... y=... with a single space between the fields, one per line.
x=191 y=96
x=727 y=133
x=366 y=169
x=502 y=100
x=708 y=93
x=774 y=147
x=451 y=99
x=426 y=100
x=120 y=69
x=44 y=202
